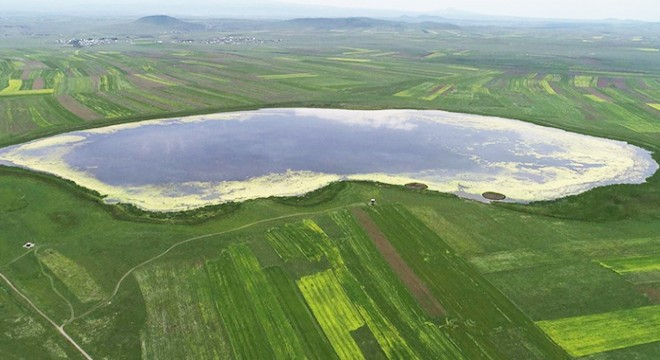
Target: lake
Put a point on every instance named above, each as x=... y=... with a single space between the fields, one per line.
x=183 y=163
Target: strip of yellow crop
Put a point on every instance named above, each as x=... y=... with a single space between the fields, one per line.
x=654 y=105
x=356 y=51
x=463 y=68
x=74 y=276
x=349 y=59
x=591 y=334
x=434 y=54
x=583 y=81
x=437 y=93
x=156 y=79
x=14 y=86
x=14 y=89
x=546 y=85
x=647 y=49
x=29 y=92
x=287 y=76
x=204 y=63
x=384 y=54
x=595 y=98
x=417 y=90
x=634 y=264
x=334 y=311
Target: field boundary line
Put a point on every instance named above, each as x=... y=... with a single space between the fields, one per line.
x=16 y=259
x=60 y=329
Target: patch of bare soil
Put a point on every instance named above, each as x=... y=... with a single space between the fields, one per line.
x=38 y=84
x=620 y=84
x=603 y=82
x=77 y=108
x=414 y=284
x=651 y=292
x=95 y=82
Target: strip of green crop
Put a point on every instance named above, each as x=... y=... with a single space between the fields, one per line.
x=258 y=293
x=634 y=264
x=282 y=337
x=350 y=60
x=591 y=334
x=287 y=76
x=547 y=87
x=417 y=90
x=114 y=82
x=204 y=63
x=298 y=241
x=334 y=311
x=585 y=81
x=37 y=117
x=156 y=79
x=27 y=84
x=247 y=337
x=317 y=345
x=182 y=320
x=438 y=92
x=102 y=106
x=509 y=260
x=74 y=276
x=468 y=68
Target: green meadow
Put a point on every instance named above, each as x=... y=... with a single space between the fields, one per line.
x=420 y=275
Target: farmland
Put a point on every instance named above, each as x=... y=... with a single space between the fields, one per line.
x=326 y=276
x=596 y=333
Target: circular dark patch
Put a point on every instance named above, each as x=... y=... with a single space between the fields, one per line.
x=490 y=195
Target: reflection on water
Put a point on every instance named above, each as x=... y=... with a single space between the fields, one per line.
x=195 y=161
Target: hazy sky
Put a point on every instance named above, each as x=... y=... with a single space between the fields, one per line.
x=580 y=9
x=564 y=9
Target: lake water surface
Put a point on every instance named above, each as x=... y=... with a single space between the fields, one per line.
x=176 y=164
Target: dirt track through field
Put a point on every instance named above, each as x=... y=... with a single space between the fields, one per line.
x=414 y=284
x=59 y=328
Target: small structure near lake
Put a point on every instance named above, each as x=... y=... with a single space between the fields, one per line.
x=491 y=195
x=416 y=186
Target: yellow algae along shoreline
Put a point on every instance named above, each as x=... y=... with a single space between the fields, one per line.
x=618 y=162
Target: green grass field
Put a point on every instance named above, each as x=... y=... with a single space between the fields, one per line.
x=421 y=275
x=586 y=335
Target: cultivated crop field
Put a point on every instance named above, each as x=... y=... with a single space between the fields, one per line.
x=420 y=275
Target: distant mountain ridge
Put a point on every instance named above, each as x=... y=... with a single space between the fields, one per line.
x=348 y=23
x=167 y=23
